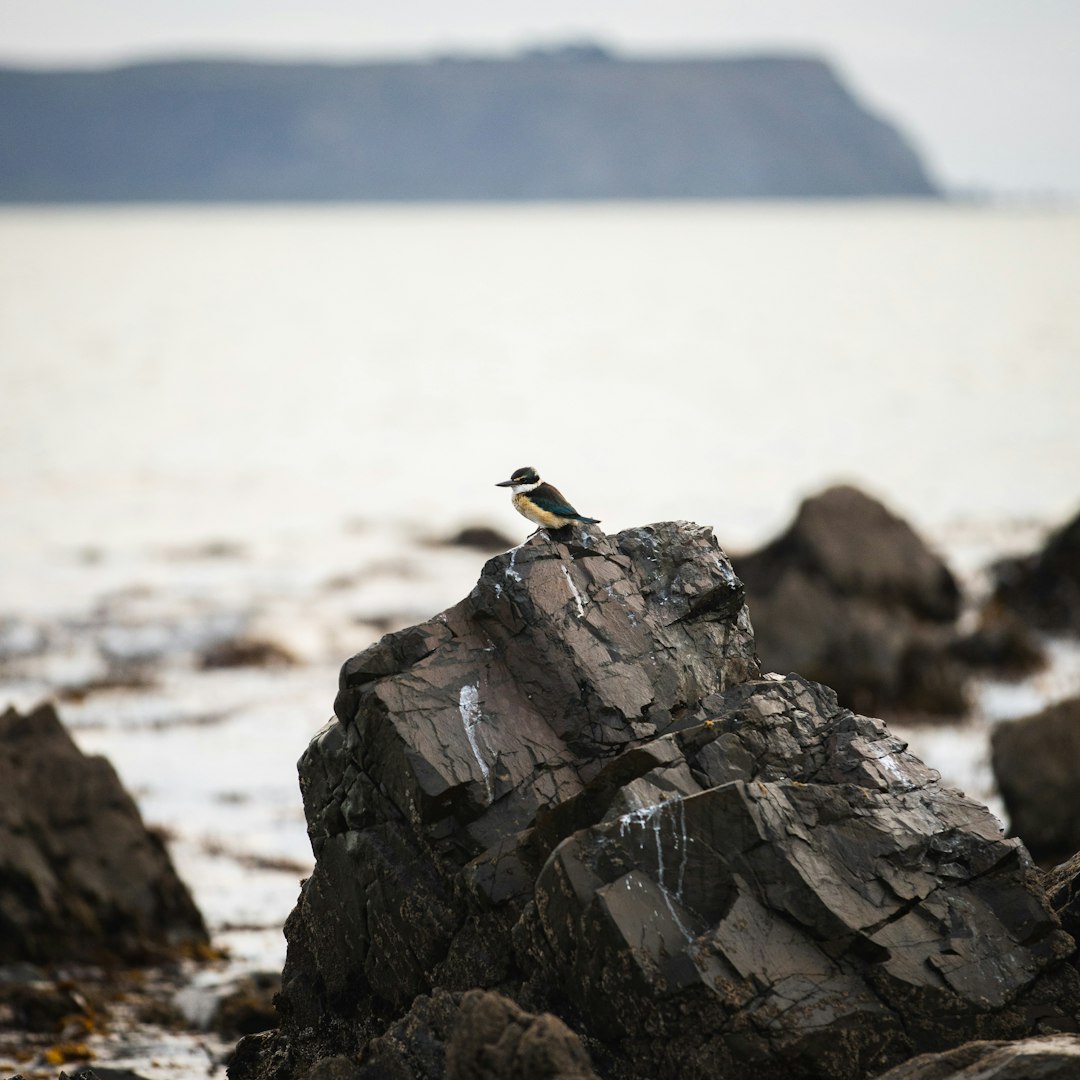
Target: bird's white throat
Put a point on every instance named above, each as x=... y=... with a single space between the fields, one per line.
x=517 y=489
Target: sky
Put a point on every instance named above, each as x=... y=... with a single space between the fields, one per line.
x=987 y=90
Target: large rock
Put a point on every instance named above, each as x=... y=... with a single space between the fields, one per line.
x=1036 y=762
x=575 y=789
x=1045 y=1057
x=850 y=596
x=1044 y=587
x=81 y=878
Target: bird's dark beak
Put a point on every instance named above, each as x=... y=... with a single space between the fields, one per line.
x=505 y=483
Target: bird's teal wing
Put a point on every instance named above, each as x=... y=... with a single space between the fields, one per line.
x=553 y=501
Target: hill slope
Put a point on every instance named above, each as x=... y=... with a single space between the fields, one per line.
x=568 y=124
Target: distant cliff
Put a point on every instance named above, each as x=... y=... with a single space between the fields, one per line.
x=563 y=124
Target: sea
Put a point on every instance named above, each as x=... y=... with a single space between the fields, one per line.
x=264 y=422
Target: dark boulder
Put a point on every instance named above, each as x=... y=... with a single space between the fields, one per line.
x=1043 y=1057
x=479 y=538
x=851 y=596
x=574 y=790
x=81 y=878
x=245 y=652
x=1002 y=645
x=1043 y=588
x=1036 y=761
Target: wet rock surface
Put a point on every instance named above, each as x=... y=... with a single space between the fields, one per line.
x=574 y=794
x=1043 y=588
x=81 y=878
x=1046 y=1057
x=852 y=597
x=1037 y=764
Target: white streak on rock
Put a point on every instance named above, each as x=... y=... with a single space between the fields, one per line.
x=469 y=706
x=683 y=841
x=510 y=571
x=573 y=588
x=653 y=816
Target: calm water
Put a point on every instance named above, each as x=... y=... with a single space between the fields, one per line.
x=172 y=374
x=219 y=420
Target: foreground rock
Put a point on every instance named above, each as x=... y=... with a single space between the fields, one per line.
x=574 y=790
x=852 y=597
x=1037 y=765
x=1044 y=588
x=479 y=1035
x=81 y=878
x=1048 y=1057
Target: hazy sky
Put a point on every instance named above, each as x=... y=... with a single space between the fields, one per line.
x=989 y=90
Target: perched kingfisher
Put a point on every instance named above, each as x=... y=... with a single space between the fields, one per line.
x=542 y=503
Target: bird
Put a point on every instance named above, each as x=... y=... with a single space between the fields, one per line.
x=541 y=503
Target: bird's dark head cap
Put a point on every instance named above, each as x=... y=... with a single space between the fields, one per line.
x=526 y=475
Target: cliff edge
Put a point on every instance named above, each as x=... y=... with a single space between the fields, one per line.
x=561 y=124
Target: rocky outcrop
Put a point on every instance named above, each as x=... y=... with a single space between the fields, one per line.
x=1046 y=1057
x=1036 y=761
x=81 y=878
x=850 y=596
x=574 y=794
x=1043 y=588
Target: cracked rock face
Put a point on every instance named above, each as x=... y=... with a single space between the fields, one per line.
x=793 y=892
x=575 y=789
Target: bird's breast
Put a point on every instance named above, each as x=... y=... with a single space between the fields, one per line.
x=527 y=508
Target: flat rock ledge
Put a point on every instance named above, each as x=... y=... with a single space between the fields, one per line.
x=575 y=792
